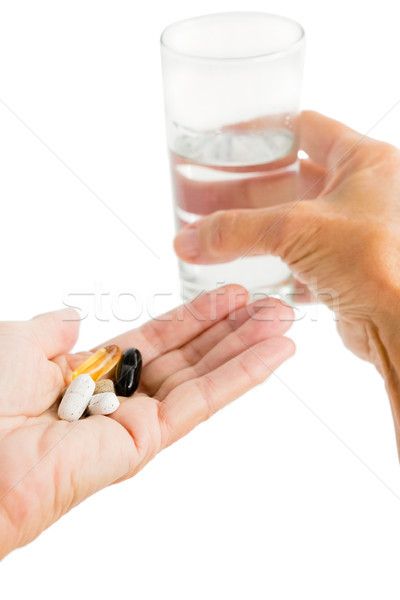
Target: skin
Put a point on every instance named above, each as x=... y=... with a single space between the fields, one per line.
x=341 y=239
x=196 y=359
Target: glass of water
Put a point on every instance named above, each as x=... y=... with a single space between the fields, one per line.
x=231 y=90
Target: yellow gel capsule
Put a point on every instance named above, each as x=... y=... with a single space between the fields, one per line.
x=100 y=363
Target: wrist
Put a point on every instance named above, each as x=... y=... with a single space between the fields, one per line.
x=386 y=322
x=384 y=338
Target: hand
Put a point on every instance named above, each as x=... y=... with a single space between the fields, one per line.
x=196 y=360
x=342 y=241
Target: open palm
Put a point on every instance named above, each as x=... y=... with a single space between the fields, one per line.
x=196 y=360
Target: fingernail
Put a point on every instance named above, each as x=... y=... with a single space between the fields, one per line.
x=187 y=243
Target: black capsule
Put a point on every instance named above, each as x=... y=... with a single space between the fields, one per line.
x=127 y=373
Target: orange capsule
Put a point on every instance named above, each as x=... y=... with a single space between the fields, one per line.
x=100 y=363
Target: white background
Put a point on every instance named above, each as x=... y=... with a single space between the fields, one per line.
x=291 y=492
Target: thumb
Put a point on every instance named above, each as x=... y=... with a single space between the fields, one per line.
x=56 y=332
x=226 y=235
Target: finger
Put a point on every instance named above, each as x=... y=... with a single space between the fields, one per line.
x=226 y=235
x=67 y=363
x=325 y=140
x=302 y=294
x=197 y=190
x=55 y=332
x=188 y=355
x=261 y=191
x=181 y=325
x=268 y=324
x=312 y=180
x=196 y=400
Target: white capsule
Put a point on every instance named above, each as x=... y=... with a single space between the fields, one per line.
x=76 y=398
x=104 y=403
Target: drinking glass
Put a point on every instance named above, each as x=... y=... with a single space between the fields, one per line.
x=232 y=86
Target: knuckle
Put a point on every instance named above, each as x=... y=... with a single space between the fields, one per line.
x=55 y=379
x=209 y=394
x=385 y=151
x=174 y=380
x=302 y=220
x=390 y=160
x=372 y=153
x=169 y=384
x=222 y=231
x=388 y=151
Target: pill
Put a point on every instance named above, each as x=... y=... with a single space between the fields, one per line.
x=76 y=398
x=104 y=403
x=128 y=371
x=100 y=363
x=104 y=385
